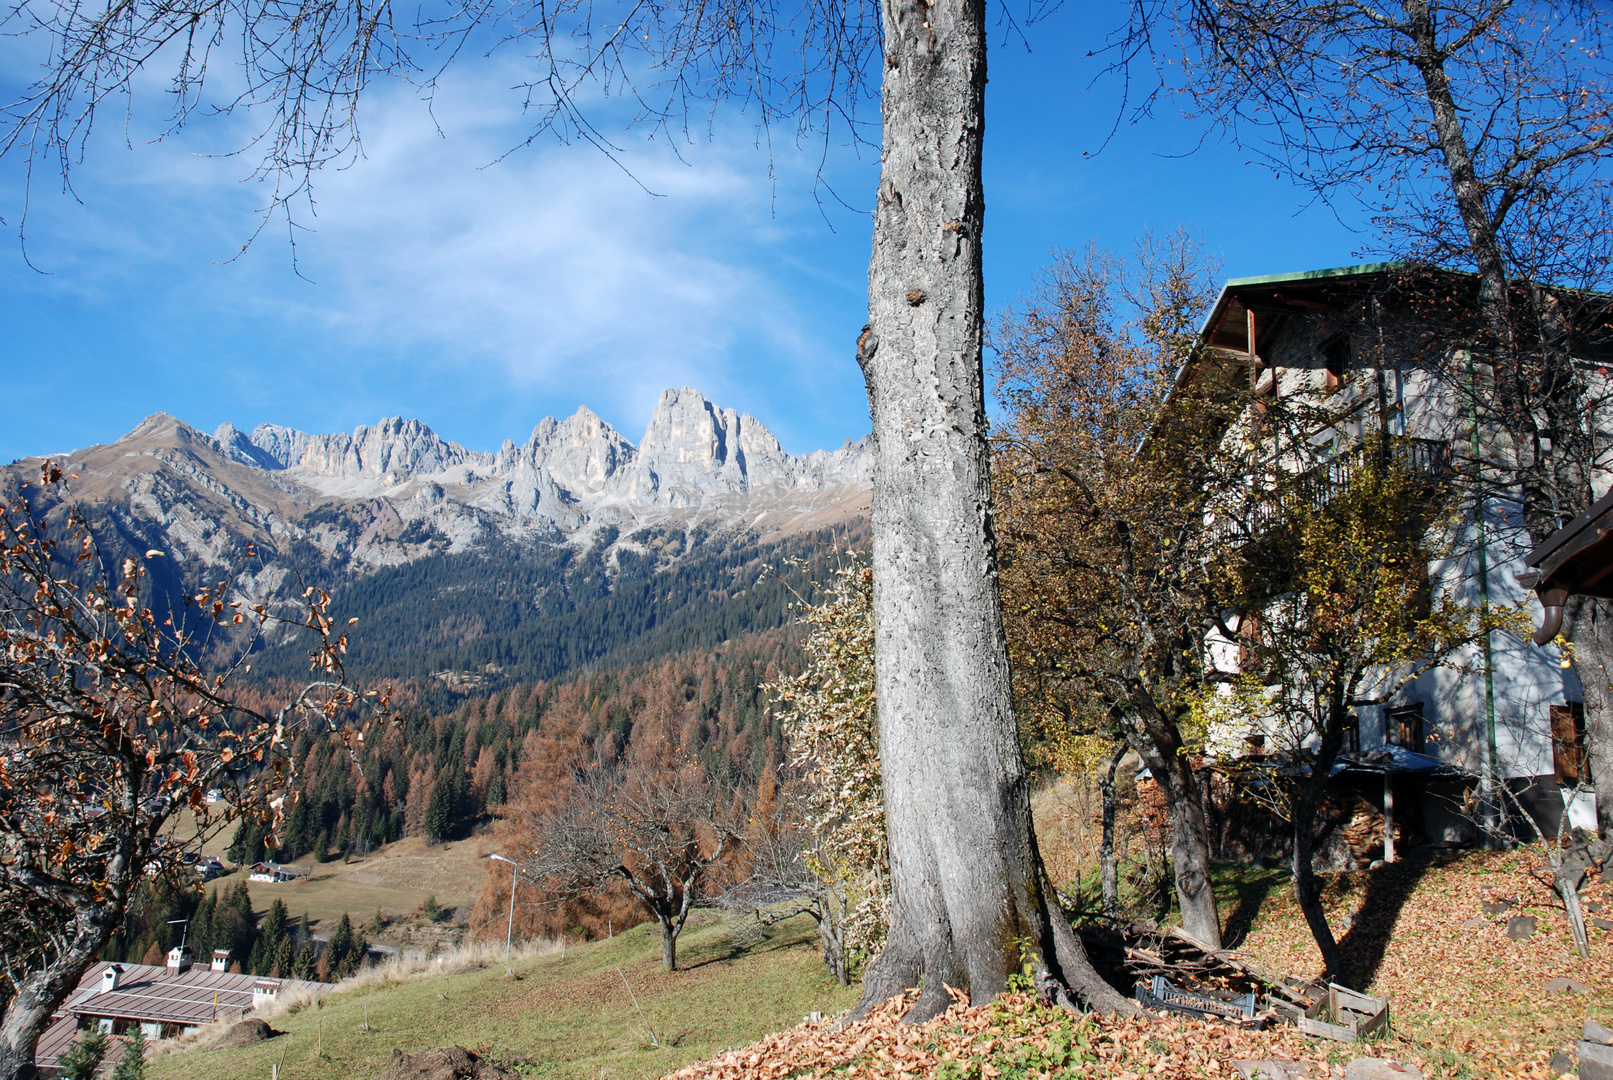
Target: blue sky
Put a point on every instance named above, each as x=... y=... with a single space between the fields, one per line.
x=482 y=296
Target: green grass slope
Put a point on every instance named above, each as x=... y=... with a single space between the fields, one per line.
x=557 y=1017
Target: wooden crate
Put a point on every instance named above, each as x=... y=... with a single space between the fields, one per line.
x=1346 y=1016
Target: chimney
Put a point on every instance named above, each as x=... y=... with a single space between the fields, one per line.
x=221 y=959
x=178 y=960
x=109 y=978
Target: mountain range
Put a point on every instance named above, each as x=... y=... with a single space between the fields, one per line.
x=464 y=562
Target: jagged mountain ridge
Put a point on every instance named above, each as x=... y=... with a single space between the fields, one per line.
x=570 y=548
x=359 y=497
x=569 y=471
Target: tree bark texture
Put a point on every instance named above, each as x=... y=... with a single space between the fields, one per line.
x=1307 y=804
x=669 y=945
x=969 y=894
x=1591 y=630
x=28 y=1013
x=1160 y=747
x=17 y=1066
x=1108 y=865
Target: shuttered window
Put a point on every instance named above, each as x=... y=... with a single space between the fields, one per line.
x=1568 y=744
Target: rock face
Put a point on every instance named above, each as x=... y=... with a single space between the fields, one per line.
x=693 y=455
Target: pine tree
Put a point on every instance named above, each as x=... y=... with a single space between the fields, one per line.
x=340 y=948
x=285 y=955
x=246 y=847
x=306 y=963
x=132 y=1066
x=84 y=1056
x=270 y=935
x=202 y=935
x=442 y=811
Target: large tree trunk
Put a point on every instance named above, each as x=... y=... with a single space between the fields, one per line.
x=968 y=889
x=1590 y=628
x=1305 y=887
x=1160 y=746
x=15 y=1065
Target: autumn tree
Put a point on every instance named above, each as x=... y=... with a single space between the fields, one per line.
x=824 y=849
x=663 y=833
x=1103 y=501
x=109 y=729
x=1331 y=606
x=1474 y=136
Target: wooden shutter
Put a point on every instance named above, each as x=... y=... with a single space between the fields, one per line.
x=1568 y=743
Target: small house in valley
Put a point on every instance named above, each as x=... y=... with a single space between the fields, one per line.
x=163 y=1002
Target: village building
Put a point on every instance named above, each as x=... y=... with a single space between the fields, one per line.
x=271 y=873
x=164 y=1002
x=1369 y=341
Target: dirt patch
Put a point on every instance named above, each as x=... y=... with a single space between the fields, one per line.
x=444 y=1063
x=246 y=1033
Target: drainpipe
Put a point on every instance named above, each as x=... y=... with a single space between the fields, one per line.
x=1488 y=779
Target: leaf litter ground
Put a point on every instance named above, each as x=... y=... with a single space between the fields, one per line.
x=1466 y=1000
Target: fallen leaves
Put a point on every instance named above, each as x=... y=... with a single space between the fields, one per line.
x=1015 y=1036
x=1465 y=1000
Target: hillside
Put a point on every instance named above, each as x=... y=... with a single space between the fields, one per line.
x=1467 y=1001
x=565 y=1017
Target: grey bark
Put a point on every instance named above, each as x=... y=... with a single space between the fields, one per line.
x=669 y=945
x=38 y=993
x=1108 y=864
x=969 y=892
x=1159 y=744
x=1590 y=628
x=1304 y=808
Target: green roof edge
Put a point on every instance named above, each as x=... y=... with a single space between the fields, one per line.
x=1306 y=275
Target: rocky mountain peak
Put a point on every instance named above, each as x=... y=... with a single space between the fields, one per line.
x=582 y=453
x=694 y=449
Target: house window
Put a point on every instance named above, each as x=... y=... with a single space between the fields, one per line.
x=1403 y=727
x=1568 y=744
x=1336 y=361
x=1352 y=735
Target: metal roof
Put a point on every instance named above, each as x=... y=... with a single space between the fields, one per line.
x=1329 y=272
x=156 y=995
x=1401 y=762
x=197 y=995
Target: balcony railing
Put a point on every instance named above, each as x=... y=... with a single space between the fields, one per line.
x=1320 y=484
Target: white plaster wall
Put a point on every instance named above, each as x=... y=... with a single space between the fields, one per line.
x=1528 y=679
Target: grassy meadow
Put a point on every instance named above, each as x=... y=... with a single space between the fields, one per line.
x=550 y=1015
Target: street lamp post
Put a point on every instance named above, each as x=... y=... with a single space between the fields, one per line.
x=509 y=930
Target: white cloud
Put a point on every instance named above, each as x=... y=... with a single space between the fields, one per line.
x=552 y=274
